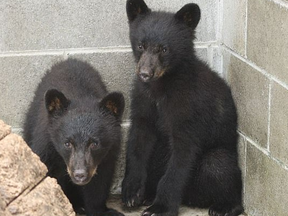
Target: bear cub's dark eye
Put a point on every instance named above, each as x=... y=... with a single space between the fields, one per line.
x=68 y=145
x=94 y=145
x=164 y=49
x=140 y=47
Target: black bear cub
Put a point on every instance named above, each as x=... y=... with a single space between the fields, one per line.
x=73 y=124
x=182 y=144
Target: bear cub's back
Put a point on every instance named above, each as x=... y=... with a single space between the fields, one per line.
x=76 y=79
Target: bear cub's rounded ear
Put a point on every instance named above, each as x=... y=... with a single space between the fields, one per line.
x=55 y=101
x=134 y=8
x=189 y=14
x=114 y=103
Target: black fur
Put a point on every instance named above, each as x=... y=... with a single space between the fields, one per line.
x=182 y=144
x=73 y=124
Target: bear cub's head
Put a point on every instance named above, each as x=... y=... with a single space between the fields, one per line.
x=160 y=40
x=83 y=134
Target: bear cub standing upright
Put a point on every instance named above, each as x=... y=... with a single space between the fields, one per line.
x=73 y=124
x=182 y=144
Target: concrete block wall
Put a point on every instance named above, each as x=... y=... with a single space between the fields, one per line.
x=35 y=34
x=255 y=63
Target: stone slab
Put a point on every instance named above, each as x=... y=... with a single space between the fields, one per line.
x=45 y=199
x=20 y=168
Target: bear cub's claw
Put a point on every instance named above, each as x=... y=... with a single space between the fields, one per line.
x=158 y=210
x=132 y=192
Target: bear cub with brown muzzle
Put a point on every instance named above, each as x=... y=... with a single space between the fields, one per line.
x=73 y=124
x=182 y=143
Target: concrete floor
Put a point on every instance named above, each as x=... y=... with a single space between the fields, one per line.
x=115 y=202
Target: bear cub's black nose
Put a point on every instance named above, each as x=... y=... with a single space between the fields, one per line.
x=80 y=175
x=145 y=75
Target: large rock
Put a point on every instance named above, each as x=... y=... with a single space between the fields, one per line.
x=20 y=168
x=45 y=199
x=24 y=188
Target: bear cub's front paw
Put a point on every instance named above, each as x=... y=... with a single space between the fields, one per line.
x=133 y=191
x=159 y=210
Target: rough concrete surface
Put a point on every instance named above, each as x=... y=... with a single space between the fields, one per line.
x=267 y=37
x=115 y=202
x=24 y=190
x=250 y=90
x=38 y=25
x=20 y=76
x=234 y=25
x=279 y=123
x=266 y=187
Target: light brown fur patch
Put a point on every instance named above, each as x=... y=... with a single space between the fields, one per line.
x=112 y=107
x=69 y=171
x=55 y=104
x=93 y=172
x=162 y=72
x=188 y=17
